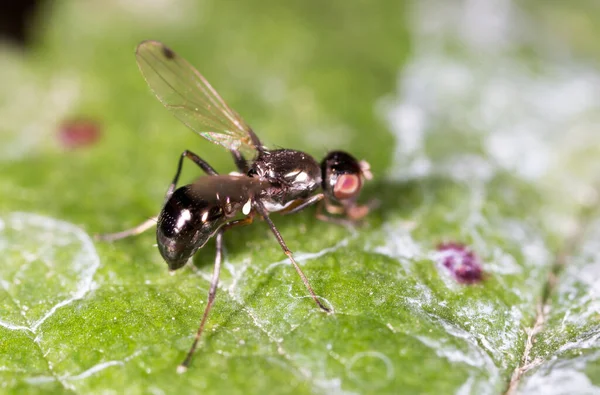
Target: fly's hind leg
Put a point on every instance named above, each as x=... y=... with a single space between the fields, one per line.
x=240 y=162
x=144 y=226
x=211 y=298
x=198 y=161
x=213 y=288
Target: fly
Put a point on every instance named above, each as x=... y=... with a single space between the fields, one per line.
x=282 y=180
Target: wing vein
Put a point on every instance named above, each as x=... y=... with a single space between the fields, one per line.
x=189 y=96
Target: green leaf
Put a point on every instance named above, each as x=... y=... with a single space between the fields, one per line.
x=480 y=121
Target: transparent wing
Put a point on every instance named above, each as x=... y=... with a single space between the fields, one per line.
x=188 y=95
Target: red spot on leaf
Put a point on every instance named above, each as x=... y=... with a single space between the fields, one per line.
x=78 y=133
x=464 y=265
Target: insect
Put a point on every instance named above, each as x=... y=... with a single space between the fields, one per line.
x=283 y=180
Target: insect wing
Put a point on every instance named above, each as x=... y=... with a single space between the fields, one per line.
x=188 y=95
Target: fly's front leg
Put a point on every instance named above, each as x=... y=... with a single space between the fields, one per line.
x=352 y=212
x=356 y=212
x=300 y=205
x=334 y=220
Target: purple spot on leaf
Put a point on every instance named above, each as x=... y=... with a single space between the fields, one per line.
x=464 y=265
x=78 y=133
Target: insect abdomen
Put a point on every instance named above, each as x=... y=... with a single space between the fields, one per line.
x=186 y=223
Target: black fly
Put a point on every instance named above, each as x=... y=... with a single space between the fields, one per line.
x=283 y=180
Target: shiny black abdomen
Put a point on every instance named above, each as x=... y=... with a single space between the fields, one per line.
x=185 y=224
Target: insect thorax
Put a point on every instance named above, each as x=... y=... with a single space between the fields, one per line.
x=291 y=175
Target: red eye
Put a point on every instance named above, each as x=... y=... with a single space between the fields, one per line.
x=347 y=186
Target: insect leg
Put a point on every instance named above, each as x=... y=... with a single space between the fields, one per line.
x=197 y=160
x=213 y=288
x=352 y=211
x=240 y=161
x=152 y=221
x=255 y=140
x=211 y=298
x=263 y=212
x=334 y=220
x=356 y=212
x=302 y=204
x=144 y=226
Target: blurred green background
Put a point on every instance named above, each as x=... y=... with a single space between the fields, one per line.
x=480 y=119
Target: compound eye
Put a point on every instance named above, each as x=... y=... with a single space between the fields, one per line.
x=347 y=186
